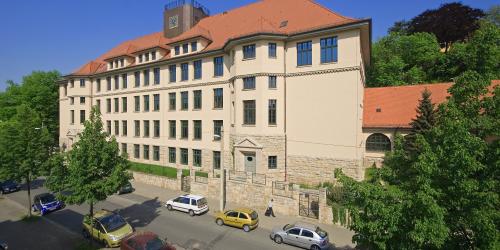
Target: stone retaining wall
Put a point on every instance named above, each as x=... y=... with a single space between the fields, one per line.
x=159 y=181
x=313 y=170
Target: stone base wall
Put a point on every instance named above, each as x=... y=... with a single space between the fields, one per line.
x=369 y=161
x=314 y=170
x=159 y=181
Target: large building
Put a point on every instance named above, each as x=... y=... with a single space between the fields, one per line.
x=284 y=80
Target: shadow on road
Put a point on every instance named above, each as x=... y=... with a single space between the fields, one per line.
x=38 y=183
x=140 y=215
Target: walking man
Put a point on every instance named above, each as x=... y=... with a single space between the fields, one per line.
x=270 y=208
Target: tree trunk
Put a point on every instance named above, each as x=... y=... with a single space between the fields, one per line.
x=28 y=183
x=91 y=233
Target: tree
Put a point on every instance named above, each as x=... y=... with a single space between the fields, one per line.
x=93 y=169
x=444 y=194
x=451 y=22
x=423 y=122
x=400 y=27
x=493 y=15
x=24 y=147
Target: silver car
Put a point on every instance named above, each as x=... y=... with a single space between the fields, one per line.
x=301 y=234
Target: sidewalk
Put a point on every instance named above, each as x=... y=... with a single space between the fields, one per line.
x=339 y=236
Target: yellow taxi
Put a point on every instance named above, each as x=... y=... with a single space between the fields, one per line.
x=244 y=218
x=108 y=228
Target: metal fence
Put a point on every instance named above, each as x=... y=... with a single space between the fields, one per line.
x=237 y=176
x=259 y=179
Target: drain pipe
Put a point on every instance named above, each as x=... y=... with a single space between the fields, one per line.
x=284 y=107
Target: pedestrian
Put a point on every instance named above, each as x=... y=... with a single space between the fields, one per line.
x=269 y=210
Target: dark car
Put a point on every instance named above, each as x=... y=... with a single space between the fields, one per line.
x=127 y=188
x=145 y=241
x=45 y=203
x=9 y=186
x=3 y=246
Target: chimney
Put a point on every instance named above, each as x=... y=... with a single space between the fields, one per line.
x=181 y=15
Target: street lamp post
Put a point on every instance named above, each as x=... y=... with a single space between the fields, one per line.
x=222 y=169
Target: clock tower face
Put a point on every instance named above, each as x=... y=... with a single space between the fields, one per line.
x=173 y=21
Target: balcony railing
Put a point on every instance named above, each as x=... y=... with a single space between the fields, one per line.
x=177 y=3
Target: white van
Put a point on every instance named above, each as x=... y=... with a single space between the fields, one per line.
x=193 y=204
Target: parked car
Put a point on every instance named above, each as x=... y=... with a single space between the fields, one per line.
x=145 y=241
x=108 y=227
x=9 y=186
x=192 y=204
x=127 y=188
x=46 y=202
x=244 y=218
x=301 y=234
x=3 y=246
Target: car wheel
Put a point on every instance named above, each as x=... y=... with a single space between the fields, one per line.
x=169 y=207
x=278 y=239
x=246 y=228
x=191 y=213
x=314 y=247
x=219 y=222
x=85 y=234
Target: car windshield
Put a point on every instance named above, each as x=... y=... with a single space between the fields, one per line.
x=321 y=232
x=287 y=226
x=154 y=244
x=254 y=215
x=48 y=198
x=112 y=222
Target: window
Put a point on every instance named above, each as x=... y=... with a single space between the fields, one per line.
x=146 y=128
x=272 y=112
x=177 y=50
x=194 y=46
x=98 y=104
x=197 y=129
x=65 y=89
x=216 y=161
x=117 y=128
x=124 y=104
x=243 y=216
x=108 y=83
x=172 y=129
x=272 y=82
x=82 y=100
x=171 y=101
x=184 y=72
x=197 y=99
x=124 y=149
x=108 y=125
x=294 y=231
x=136 y=151
x=145 y=152
x=122 y=62
x=156 y=153
x=117 y=82
x=137 y=104
x=184 y=156
x=249 y=51
x=378 y=142
x=156 y=128
x=249 y=82
x=146 y=57
x=271 y=50
x=72 y=83
x=137 y=76
x=218 y=98
x=156 y=102
x=217 y=128
x=304 y=53
x=232 y=214
x=71 y=100
x=197 y=69
x=156 y=72
x=184 y=100
x=307 y=233
x=82 y=116
x=184 y=129
x=146 y=102
x=146 y=77
x=185 y=48
x=137 y=126
x=153 y=55
x=272 y=162
x=171 y=155
x=98 y=85
x=72 y=116
x=172 y=71
x=249 y=112
x=124 y=81
x=328 y=49
x=108 y=105
x=218 y=66
x=117 y=107
x=196 y=157
x=82 y=83
x=140 y=58
x=124 y=128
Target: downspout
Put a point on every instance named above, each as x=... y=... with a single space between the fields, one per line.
x=284 y=107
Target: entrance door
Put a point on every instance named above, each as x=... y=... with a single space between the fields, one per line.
x=250 y=162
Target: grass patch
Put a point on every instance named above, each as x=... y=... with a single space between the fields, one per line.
x=85 y=245
x=32 y=218
x=185 y=172
x=201 y=174
x=168 y=172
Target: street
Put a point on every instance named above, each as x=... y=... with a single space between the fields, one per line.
x=148 y=214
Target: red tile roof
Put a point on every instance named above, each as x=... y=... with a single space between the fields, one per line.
x=265 y=16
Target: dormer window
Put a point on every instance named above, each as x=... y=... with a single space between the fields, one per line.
x=194 y=46
x=153 y=55
x=140 y=58
x=177 y=50
x=116 y=64
x=146 y=56
x=110 y=65
x=185 y=48
x=122 y=62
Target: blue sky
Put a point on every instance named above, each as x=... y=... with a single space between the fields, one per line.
x=63 y=35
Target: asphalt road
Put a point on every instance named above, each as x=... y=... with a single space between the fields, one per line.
x=145 y=214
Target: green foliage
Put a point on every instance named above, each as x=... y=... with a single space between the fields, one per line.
x=201 y=174
x=93 y=169
x=443 y=193
x=493 y=15
x=168 y=172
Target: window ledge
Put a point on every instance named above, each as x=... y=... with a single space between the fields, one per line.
x=249 y=59
x=197 y=109
x=248 y=125
x=217 y=108
x=247 y=89
x=273 y=125
x=304 y=66
x=327 y=63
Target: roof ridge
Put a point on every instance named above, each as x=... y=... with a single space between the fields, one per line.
x=413 y=85
x=331 y=11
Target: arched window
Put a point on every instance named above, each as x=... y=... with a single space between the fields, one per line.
x=378 y=142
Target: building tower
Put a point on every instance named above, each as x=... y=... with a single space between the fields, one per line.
x=181 y=15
